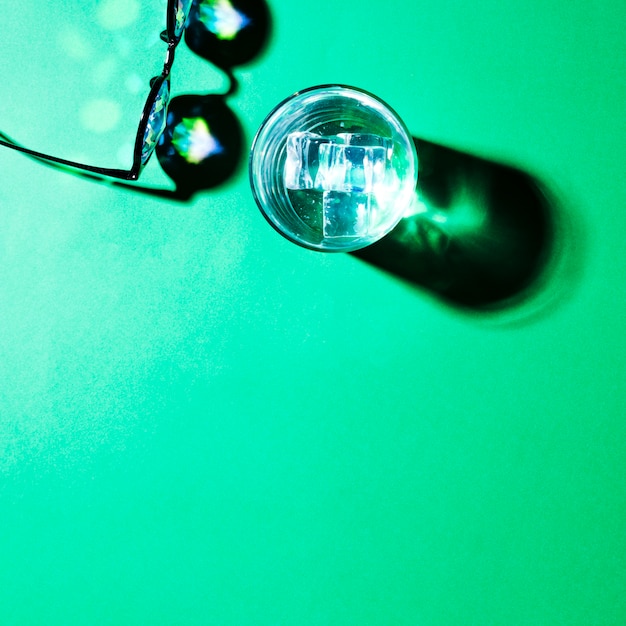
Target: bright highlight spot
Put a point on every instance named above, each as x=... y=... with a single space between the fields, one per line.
x=134 y=84
x=222 y=19
x=417 y=207
x=100 y=116
x=75 y=44
x=193 y=140
x=117 y=14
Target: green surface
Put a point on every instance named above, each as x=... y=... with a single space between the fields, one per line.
x=201 y=423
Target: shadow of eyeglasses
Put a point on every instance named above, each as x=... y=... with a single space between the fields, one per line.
x=483 y=237
x=201 y=148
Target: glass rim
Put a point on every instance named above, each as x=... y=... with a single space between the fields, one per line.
x=260 y=136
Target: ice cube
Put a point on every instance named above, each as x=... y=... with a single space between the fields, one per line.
x=331 y=173
x=350 y=168
x=346 y=214
x=302 y=162
x=365 y=139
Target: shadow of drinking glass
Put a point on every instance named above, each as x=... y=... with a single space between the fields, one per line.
x=482 y=236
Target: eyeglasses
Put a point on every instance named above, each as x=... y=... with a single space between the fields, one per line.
x=154 y=116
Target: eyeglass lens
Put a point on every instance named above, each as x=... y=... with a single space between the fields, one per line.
x=157 y=117
x=182 y=9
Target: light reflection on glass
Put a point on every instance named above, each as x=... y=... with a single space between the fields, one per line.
x=222 y=18
x=194 y=141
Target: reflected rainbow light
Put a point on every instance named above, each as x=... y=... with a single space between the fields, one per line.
x=194 y=141
x=222 y=18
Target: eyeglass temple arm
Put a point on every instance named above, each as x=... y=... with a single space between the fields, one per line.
x=6 y=141
x=181 y=195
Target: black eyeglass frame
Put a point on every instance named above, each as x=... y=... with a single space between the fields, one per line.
x=172 y=38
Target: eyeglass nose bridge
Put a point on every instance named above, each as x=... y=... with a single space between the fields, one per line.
x=169 y=57
x=167 y=64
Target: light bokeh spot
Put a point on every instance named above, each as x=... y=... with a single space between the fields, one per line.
x=117 y=14
x=75 y=44
x=100 y=115
x=135 y=84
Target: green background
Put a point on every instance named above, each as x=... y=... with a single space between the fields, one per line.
x=201 y=423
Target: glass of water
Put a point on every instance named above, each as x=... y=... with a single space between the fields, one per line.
x=333 y=168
